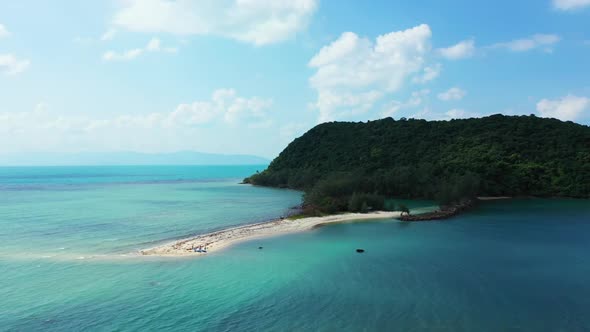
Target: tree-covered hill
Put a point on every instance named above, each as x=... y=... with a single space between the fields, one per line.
x=443 y=160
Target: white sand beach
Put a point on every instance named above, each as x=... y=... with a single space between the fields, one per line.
x=227 y=237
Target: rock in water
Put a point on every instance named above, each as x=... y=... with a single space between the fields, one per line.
x=360 y=250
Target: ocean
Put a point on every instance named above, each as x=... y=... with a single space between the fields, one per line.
x=69 y=237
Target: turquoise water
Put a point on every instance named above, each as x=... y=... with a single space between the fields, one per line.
x=65 y=211
x=66 y=233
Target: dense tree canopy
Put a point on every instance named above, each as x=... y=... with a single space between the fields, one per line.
x=443 y=160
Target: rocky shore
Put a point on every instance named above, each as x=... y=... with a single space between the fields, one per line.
x=443 y=213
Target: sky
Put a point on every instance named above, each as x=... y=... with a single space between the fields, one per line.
x=249 y=76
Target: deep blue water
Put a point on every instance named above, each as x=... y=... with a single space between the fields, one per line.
x=519 y=265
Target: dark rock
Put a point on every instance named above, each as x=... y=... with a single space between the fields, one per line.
x=259 y=247
x=444 y=213
x=360 y=250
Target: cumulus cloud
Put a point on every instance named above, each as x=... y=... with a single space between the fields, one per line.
x=154 y=45
x=417 y=99
x=463 y=49
x=3 y=31
x=568 y=108
x=11 y=65
x=457 y=113
x=224 y=109
x=352 y=73
x=340 y=105
x=226 y=104
x=545 y=41
x=258 y=22
x=570 y=5
x=452 y=94
x=429 y=74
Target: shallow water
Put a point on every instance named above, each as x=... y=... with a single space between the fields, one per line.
x=114 y=210
x=507 y=266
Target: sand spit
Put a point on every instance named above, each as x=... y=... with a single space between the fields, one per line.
x=227 y=237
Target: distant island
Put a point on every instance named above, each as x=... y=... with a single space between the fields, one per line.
x=359 y=167
x=128 y=158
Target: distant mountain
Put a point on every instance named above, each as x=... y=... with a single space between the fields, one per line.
x=128 y=158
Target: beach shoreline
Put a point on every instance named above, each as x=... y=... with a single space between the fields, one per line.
x=225 y=238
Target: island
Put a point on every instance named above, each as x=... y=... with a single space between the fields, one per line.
x=359 y=171
x=365 y=166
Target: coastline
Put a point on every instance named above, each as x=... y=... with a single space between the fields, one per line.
x=225 y=238
x=493 y=198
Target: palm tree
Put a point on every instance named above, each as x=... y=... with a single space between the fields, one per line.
x=404 y=209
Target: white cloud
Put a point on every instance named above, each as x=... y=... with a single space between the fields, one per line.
x=124 y=56
x=154 y=45
x=567 y=108
x=224 y=104
x=258 y=22
x=346 y=44
x=429 y=73
x=11 y=65
x=43 y=129
x=461 y=50
x=334 y=106
x=467 y=48
x=452 y=94
x=3 y=31
x=417 y=99
x=457 y=113
x=570 y=5
x=352 y=73
x=545 y=41
x=108 y=35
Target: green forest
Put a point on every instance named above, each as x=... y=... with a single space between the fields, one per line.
x=356 y=166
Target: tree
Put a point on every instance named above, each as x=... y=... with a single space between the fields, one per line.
x=364 y=208
x=447 y=161
x=388 y=205
x=404 y=209
x=355 y=203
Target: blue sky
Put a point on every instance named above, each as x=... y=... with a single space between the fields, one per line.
x=248 y=76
